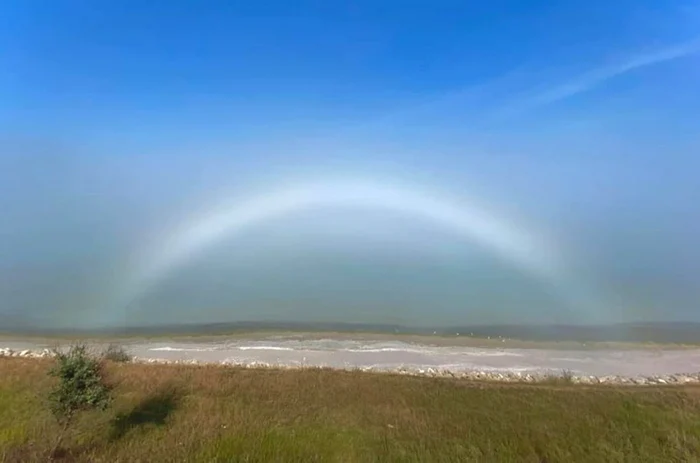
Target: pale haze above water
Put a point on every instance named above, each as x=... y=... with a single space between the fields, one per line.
x=538 y=173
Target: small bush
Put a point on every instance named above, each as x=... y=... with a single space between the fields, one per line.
x=564 y=378
x=116 y=353
x=81 y=386
x=567 y=376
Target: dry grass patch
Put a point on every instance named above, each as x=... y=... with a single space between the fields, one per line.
x=211 y=413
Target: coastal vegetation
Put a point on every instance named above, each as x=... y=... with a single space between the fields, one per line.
x=116 y=353
x=80 y=386
x=223 y=413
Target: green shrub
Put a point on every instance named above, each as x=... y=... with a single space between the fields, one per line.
x=116 y=353
x=81 y=386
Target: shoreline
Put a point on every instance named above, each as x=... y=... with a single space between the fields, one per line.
x=475 y=375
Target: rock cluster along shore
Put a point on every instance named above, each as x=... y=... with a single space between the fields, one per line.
x=475 y=375
x=5 y=352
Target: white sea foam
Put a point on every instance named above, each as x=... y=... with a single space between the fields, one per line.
x=389 y=349
x=183 y=349
x=488 y=353
x=281 y=348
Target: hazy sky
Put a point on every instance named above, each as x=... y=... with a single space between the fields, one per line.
x=442 y=162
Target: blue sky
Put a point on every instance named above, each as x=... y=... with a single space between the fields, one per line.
x=118 y=120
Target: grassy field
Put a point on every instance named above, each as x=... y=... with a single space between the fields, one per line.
x=190 y=413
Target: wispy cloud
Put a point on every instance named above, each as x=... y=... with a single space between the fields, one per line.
x=491 y=100
x=555 y=93
x=598 y=76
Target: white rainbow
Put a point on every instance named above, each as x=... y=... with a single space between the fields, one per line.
x=531 y=252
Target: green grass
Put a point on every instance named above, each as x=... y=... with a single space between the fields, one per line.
x=190 y=413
